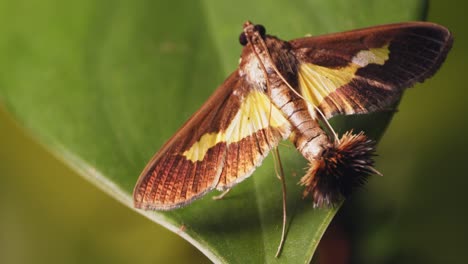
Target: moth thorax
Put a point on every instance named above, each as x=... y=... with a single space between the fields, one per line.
x=255 y=70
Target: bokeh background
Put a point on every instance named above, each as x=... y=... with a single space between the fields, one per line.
x=417 y=213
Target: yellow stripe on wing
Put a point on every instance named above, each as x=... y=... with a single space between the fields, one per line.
x=317 y=82
x=253 y=115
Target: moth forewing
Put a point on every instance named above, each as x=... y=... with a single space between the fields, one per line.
x=218 y=147
x=366 y=70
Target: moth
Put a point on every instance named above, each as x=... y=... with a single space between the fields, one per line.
x=286 y=90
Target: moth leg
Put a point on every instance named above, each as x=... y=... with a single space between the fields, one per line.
x=221 y=196
x=283 y=189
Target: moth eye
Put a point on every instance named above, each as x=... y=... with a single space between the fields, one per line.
x=260 y=29
x=243 y=39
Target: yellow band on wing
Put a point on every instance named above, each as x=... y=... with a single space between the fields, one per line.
x=255 y=113
x=371 y=56
x=317 y=82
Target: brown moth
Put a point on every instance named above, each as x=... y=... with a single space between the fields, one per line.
x=281 y=90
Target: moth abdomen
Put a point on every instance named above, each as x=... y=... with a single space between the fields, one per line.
x=342 y=167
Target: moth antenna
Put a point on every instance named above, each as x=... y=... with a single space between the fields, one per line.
x=261 y=64
x=277 y=159
x=323 y=118
x=283 y=189
x=266 y=78
x=276 y=69
x=269 y=113
x=275 y=166
x=271 y=103
x=271 y=106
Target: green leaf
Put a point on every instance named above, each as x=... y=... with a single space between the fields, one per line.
x=102 y=85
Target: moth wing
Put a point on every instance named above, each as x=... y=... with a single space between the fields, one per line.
x=219 y=146
x=366 y=70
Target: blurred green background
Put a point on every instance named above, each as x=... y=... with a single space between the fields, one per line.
x=415 y=214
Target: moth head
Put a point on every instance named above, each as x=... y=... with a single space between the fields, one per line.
x=251 y=33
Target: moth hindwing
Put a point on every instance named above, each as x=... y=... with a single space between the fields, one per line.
x=281 y=90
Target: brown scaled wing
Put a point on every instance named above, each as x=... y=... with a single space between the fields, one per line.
x=171 y=180
x=416 y=51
